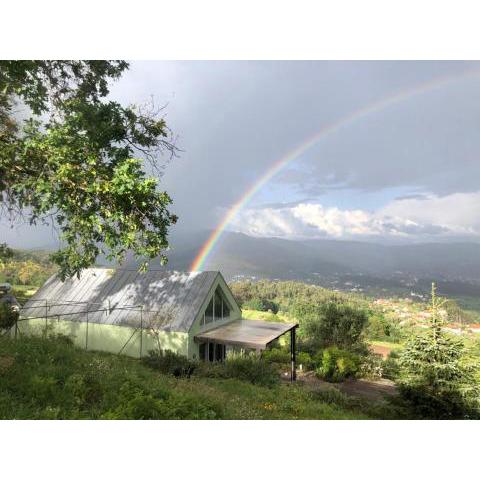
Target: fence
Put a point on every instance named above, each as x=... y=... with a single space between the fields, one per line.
x=91 y=307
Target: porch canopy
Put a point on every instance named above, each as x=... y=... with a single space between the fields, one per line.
x=255 y=334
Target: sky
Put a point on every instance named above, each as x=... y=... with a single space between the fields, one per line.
x=404 y=172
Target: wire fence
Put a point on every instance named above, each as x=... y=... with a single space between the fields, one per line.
x=88 y=309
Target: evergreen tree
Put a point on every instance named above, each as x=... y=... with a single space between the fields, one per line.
x=435 y=378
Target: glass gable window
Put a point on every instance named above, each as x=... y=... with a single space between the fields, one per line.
x=218 y=305
x=209 y=312
x=218 y=308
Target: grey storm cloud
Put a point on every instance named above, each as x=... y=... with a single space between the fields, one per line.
x=234 y=120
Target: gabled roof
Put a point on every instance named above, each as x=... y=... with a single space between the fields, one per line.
x=181 y=293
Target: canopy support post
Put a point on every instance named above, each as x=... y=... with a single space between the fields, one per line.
x=293 y=357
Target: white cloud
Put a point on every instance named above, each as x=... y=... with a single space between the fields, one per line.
x=409 y=218
x=459 y=212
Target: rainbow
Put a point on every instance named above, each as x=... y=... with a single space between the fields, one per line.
x=329 y=129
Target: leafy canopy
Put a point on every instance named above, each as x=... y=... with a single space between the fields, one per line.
x=332 y=323
x=78 y=161
x=6 y=254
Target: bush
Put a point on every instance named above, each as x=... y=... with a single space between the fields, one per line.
x=337 y=365
x=175 y=407
x=8 y=317
x=425 y=403
x=305 y=359
x=262 y=305
x=249 y=368
x=391 y=367
x=276 y=355
x=332 y=395
x=170 y=362
x=371 y=366
x=333 y=323
x=381 y=328
x=283 y=356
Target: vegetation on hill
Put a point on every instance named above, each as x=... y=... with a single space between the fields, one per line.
x=339 y=333
x=48 y=378
x=26 y=270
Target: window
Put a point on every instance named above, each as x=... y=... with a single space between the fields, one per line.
x=218 y=308
x=225 y=308
x=218 y=305
x=209 y=312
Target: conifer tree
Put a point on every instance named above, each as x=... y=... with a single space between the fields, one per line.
x=436 y=379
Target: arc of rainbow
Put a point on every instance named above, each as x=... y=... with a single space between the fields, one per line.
x=329 y=129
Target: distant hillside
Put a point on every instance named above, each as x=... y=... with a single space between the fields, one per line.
x=343 y=264
x=242 y=254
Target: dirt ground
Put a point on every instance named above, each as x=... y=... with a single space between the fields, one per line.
x=375 y=390
x=382 y=350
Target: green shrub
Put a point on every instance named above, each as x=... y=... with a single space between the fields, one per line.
x=332 y=395
x=283 y=356
x=332 y=323
x=145 y=406
x=381 y=328
x=8 y=317
x=305 y=359
x=261 y=304
x=170 y=362
x=249 y=368
x=337 y=364
x=276 y=355
x=391 y=367
x=371 y=366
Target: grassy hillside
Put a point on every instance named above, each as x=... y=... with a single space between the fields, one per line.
x=48 y=378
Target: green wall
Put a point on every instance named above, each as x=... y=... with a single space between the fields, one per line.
x=107 y=338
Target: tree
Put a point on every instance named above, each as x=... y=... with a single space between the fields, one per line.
x=78 y=161
x=434 y=376
x=332 y=324
x=27 y=271
x=455 y=312
x=6 y=254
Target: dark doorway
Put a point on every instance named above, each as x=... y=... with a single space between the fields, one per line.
x=212 y=352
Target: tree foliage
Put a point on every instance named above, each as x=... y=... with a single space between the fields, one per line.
x=23 y=267
x=78 y=161
x=333 y=324
x=6 y=254
x=435 y=378
x=326 y=318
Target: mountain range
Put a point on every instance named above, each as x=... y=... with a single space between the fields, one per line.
x=344 y=264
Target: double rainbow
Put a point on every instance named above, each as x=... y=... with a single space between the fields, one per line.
x=208 y=246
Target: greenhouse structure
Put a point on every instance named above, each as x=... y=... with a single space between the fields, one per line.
x=131 y=312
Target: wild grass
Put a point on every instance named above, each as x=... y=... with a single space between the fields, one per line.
x=49 y=378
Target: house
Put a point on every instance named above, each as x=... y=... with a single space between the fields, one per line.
x=129 y=312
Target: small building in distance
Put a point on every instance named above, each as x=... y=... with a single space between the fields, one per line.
x=130 y=312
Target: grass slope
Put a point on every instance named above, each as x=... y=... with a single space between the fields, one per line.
x=48 y=378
